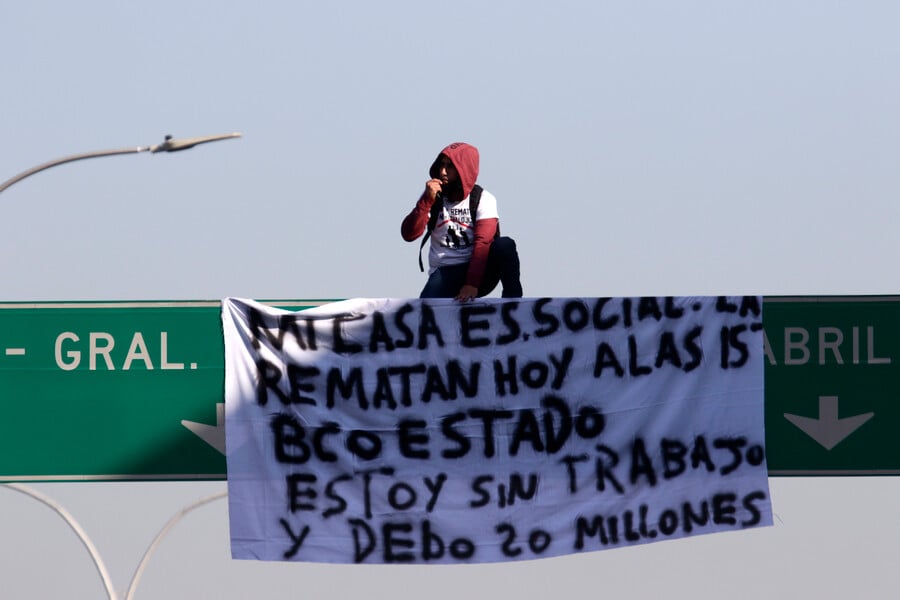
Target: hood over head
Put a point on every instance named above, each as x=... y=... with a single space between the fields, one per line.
x=465 y=158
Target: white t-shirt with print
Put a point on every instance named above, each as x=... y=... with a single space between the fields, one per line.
x=454 y=233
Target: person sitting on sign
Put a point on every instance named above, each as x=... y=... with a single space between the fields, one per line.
x=467 y=257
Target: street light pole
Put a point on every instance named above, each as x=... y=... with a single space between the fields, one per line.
x=77 y=528
x=168 y=145
x=129 y=594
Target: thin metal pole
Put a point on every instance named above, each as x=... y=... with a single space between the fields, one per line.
x=129 y=595
x=76 y=527
x=68 y=159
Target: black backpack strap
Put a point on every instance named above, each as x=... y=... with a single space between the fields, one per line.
x=432 y=222
x=474 y=199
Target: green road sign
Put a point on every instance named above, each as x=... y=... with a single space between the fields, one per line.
x=833 y=385
x=117 y=391
x=134 y=390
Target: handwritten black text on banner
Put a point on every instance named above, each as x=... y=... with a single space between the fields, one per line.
x=428 y=431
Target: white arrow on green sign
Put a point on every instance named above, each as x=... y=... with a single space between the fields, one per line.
x=828 y=429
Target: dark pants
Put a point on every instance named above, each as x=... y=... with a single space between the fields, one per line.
x=502 y=267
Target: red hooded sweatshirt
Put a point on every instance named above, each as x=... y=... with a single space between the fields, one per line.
x=465 y=158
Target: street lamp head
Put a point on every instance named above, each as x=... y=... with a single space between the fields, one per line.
x=173 y=145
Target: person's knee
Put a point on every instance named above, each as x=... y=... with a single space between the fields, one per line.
x=433 y=287
x=504 y=248
x=445 y=282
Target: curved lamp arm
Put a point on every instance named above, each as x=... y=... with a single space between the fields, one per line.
x=168 y=145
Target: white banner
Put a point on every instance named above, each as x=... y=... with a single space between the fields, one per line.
x=429 y=431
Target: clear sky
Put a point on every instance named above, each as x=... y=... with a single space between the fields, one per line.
x=635 y=148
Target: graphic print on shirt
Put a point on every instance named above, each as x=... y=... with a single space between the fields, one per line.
x=458 y=226
x=453 y=237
